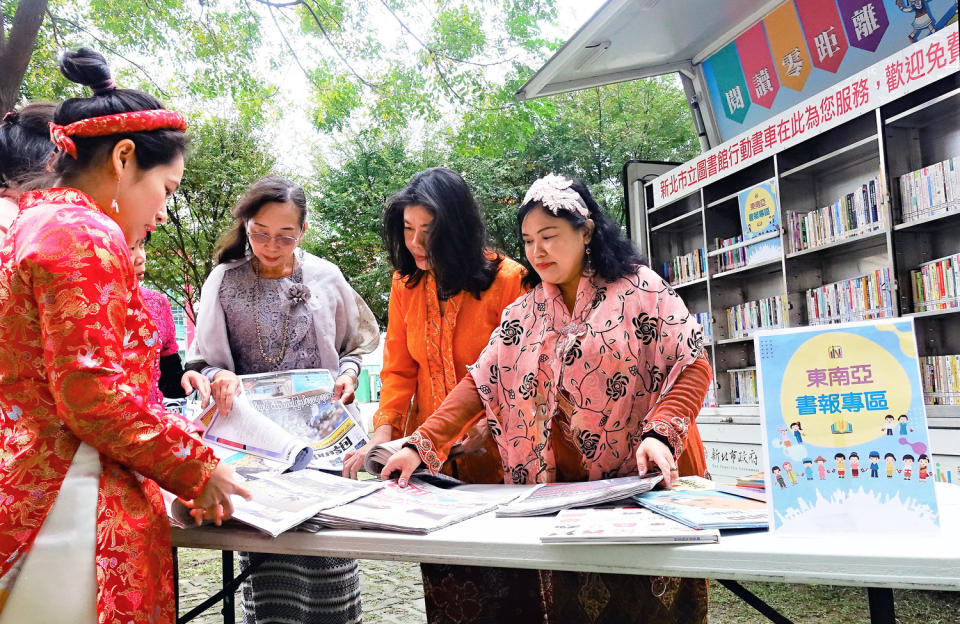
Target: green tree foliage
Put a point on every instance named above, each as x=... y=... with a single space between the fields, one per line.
x=346 y=205
x=209 y=49
x=225 y=158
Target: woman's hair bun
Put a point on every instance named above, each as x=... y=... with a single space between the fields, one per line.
x=89 y=68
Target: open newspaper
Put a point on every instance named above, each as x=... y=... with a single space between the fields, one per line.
x=552 y=497
x=246 y=430
x=301 y=401
x=417 y=508
x=288 y=416
x=281 y=502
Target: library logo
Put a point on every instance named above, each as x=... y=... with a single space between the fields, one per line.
x=835 y=352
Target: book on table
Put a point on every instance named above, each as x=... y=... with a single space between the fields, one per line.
x=757 y=494
x=628 y=525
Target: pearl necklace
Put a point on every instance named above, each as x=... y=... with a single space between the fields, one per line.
x=256 y=317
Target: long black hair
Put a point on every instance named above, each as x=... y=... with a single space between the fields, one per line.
x=25 y=144
x=612 y=255
x=153 y=147
x=270 y=189
x=457 y=245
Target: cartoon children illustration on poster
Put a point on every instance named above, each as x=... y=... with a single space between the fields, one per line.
x=907 y=466
x=856 y=390
x=854 y=464
x=788 y=467
x=779 y=477
x=904 y=429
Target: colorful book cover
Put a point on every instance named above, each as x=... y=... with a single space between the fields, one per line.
x=844 y=429
x=706 y=508
x=760 y=216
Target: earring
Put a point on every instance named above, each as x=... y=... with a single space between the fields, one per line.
x=114 y=204
x=587 y=266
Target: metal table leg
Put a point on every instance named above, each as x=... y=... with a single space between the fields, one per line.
x=881 y=605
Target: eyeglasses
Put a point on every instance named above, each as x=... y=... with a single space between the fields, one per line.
x=281 y=241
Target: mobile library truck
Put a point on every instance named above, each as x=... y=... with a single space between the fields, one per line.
x=830 y=135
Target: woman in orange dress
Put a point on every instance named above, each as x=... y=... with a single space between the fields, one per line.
x=447 y=296
x=84 y=535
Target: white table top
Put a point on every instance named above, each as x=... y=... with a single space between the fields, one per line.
x=879 y=560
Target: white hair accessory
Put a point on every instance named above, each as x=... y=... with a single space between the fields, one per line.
x=554 y=192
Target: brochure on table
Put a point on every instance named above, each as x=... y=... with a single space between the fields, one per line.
x=844 y=429
x=760 y=217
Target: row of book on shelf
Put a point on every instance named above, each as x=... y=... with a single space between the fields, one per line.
x=936 y=284
x=686 y=268
x=732 y=258
x=768 y=313
x=854 y=214
x=941 y=379
x=743 y=386
x=930 y=190
x=710 y=399
x=866 y=297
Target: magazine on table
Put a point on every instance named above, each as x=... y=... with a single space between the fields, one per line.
x=706 y=508
x=628 y=525
x=552 y=497
x=746 y=492
x=281 y=502
x=418 y=508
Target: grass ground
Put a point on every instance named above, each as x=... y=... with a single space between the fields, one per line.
x=393 y=594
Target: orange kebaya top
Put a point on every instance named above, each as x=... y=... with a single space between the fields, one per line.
x=426 y=353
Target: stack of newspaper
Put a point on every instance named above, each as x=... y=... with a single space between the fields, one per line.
x=417 y=508
x=281 y=502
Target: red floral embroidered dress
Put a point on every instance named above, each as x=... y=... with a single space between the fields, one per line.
x=77 y=350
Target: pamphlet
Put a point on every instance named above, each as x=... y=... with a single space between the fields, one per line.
x=552 y=497
x=760 y=219
x=628 y=525
x=417 y=508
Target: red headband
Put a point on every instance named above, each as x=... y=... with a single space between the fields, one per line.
x=137 y=121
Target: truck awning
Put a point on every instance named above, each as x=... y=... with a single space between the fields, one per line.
x=631 y=39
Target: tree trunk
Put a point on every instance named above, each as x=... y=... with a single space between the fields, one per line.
x=16 y=48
